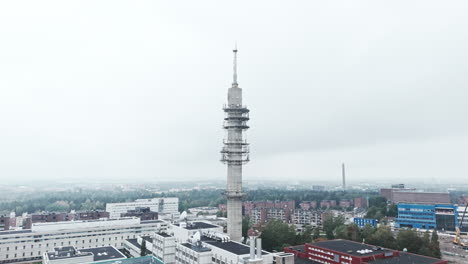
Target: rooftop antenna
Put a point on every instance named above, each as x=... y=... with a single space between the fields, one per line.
x=234 y=83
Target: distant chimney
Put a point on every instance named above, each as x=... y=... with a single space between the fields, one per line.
x=344 y=176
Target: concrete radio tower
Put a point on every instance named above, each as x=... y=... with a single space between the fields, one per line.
x=235 y=153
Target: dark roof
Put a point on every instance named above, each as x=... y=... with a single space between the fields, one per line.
x=348 y=247
x=164 y=234
x=406 y=258
x=199 y=225
x=148 y=238
x=134 y=241
x=304 y=261
x=196 y=247
x=233 y=247
x=104 y=253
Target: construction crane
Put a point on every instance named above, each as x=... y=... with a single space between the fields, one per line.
x=457 y=240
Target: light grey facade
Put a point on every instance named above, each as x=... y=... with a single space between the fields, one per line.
x=235 y=153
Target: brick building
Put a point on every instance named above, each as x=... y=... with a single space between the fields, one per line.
x=327 y=204
x=144 y=214
x=88 y=215
x=344 y=203
x=361 y=202
x=349 y=252
x=307 y=205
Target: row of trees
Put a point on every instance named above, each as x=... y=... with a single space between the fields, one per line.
x=276 y=235
x=97 y=200
x=80 y=199
x=379 y=210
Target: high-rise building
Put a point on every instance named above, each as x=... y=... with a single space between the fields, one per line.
x=235 y=153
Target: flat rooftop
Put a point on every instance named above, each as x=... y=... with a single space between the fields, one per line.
x=163 y=234
x=350 y=247
x=104 y=253
x=230 y=246
x=66 y=253
x=406 y=258
x=134 y=242
x=198 y=225
x=4 y=233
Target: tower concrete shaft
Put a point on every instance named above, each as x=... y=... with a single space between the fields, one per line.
x=235 y=153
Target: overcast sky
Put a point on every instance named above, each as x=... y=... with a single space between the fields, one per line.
x=127 y=90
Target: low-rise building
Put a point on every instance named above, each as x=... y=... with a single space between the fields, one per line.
x=311 y=218
x=144 y=214
x=199 y=243
x=410 y=195
x=345 y=203
x=361 y=202
x=71 y=255
x=459 y=214
x=308 y=205
x=263 y=215
x=341 y=251
x=30 y=245
x=203 y=210
x=362 y=222
x=167 y=205
x=327 y=204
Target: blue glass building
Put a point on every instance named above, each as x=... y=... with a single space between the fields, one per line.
x=362 y=222
x=427 y=216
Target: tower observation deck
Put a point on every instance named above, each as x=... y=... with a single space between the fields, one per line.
x=235 y=153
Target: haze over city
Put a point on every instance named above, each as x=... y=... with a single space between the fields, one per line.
x=113 y=90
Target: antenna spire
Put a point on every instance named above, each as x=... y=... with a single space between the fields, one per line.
x=234 y=83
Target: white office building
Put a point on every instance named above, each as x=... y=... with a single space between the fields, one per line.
x=71 y=255
x=201 y=243
x=29 y=245
x=164 y=206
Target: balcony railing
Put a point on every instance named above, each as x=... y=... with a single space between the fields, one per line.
x=241 y=159
x=235 y=142
x=235 y=108
x=242 y=150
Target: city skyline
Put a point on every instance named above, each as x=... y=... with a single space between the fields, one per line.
x=138 y=95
